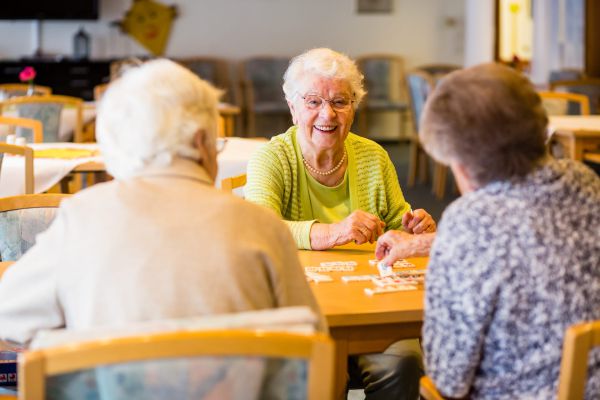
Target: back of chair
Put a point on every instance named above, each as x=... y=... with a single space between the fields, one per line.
x=384 y=80
x=23 y=89
x=47 y=110
x=213 y=70
x=579 y=340
x=420 y=85
x=589 y=87
x=562 y=103
x=202 y=363
x=27 y=154
x=22 y=218
x=233 y=182
x=35 y=128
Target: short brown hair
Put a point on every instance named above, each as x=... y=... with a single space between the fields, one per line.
x=490 y=119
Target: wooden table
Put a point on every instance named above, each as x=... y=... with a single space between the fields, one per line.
x=359 y=323
x=576 y=133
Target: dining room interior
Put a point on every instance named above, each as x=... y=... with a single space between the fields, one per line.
x=58 y=61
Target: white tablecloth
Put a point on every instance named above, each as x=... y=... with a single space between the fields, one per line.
x=48 y=172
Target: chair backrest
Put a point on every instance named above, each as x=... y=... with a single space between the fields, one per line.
x=567 y=74
x=22 y=218
x=420 y=84
x=233 y=182
x=562 y=103
x=47 y=110
x=384 y=78
x=215 y=71
x=34 y=126
x=22 y=89
x=173 y=363
x=579 y=340
x=27 y=154
x=262 y=78
x=589 y=87
x=436 y=71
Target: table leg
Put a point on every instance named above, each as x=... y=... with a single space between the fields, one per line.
x=341 y=369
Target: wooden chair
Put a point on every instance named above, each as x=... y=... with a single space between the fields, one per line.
x=33 y=211
x=317 y=350
x=261 y=79
x=419 y=85
x=21 y=89
x=35 y=126
x=578 y=341
x=234 y=182
x=589 y=87
x=216 y=71
x=47 y=110
x=560 y=103
x=385 y=82
x=27 y=154
x=437 y=72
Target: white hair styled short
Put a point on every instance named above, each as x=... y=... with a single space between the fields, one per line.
x=151 y=114
x=327 y=63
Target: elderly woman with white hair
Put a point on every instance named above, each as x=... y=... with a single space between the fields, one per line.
x=333 y=187
x=156 y=242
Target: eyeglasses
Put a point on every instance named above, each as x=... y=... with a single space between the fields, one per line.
x=221 y=143
x=338 y=103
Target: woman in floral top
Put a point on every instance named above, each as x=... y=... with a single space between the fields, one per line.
x=516 y=259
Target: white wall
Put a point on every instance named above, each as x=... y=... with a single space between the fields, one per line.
x=424 y=31
x=479 y=31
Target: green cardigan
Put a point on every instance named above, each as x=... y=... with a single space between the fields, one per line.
x=277 y=180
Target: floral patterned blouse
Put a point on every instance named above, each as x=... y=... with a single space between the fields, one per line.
x=513 y=265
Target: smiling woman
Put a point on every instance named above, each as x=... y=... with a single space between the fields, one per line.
x=332 y=187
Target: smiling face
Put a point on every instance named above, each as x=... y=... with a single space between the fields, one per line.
x=324 y=128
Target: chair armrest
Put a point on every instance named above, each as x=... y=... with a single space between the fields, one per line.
x=427 y=389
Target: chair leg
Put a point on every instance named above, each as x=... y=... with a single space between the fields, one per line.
x=439 y=180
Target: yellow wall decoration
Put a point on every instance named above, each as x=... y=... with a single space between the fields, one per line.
x=149 y=22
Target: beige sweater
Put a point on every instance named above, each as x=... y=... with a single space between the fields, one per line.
x=165 y=244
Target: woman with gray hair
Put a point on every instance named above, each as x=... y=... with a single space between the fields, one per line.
x=330 y=186
x=333 y=187
x=516 y=259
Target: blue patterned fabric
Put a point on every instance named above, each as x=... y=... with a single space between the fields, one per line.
x=514 y=264
x=186 y=378
x=418 y=88
x=382 y=82
x=47 y=113
x=19 y=228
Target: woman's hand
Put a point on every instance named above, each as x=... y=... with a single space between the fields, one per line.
x=394 y=245
x=359 y=227
x=418 y=221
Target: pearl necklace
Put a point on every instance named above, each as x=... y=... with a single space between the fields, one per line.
x=324 y=173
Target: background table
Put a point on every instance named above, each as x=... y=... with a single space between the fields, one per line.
x=359 y=323
x=48 y=171
x=576 y=133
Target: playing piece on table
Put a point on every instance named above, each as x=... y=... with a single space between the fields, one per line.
x=314 y=277
x=339 y=263
x=389 y=289
x=331 y=268
x=357 y=278
x=401 y=263
x=392 y=281
x=411 y=272
x=384 y=270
